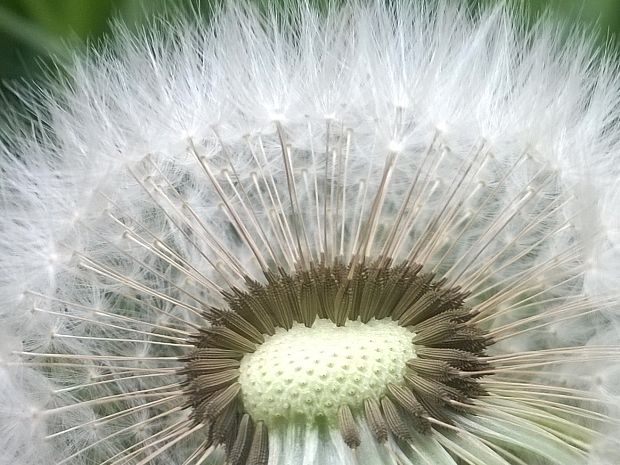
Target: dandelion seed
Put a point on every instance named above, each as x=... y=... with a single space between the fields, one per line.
x=368 y=235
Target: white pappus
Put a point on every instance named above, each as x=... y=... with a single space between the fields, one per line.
x=368 y=233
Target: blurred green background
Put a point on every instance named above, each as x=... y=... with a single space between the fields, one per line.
x=32 y=30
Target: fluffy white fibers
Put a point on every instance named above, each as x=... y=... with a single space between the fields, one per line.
x=175 y=164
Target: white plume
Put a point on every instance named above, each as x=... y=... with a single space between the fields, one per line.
x=176 y=137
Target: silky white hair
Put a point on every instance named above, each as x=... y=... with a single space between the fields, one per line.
x=156 y=161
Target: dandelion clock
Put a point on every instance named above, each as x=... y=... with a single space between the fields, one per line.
x=364 y=234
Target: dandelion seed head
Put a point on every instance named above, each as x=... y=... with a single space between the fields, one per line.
x=369 y=234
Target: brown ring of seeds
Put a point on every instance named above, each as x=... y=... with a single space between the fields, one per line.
x=449 y=348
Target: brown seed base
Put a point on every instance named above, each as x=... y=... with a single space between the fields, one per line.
x=447 y=346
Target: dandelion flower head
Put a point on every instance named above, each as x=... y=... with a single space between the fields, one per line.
x=359 y=234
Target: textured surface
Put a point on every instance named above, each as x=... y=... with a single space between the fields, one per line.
x=312 y=371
